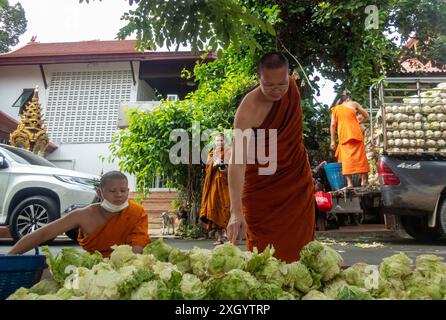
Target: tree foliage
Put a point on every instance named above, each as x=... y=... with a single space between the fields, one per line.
x=329 y=36
x=143 y=148
x=12 y=24
x=424 y=19
x=201 y=23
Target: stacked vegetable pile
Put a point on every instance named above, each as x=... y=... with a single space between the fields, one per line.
x=419 y=125
x=227 y=273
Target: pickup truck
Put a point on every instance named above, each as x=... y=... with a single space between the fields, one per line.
x=410 y=137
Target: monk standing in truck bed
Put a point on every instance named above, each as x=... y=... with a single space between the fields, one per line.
x=351 y=147
x=276 y=208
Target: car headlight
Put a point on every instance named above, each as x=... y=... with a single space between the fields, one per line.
x=91 y=183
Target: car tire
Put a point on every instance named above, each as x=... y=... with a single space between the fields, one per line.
x=441 y=217
x=31 y=214
x=417 y=228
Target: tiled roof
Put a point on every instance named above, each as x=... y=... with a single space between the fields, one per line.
x=89 y=51
x=7 y=123
x=409 y=43
x=411 y=65
x=37 y=49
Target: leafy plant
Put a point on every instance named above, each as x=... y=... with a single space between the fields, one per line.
x=13 y=23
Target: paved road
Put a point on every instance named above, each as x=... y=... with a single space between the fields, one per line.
x=347 y=248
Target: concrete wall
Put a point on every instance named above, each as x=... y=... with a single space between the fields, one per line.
x=13 y=79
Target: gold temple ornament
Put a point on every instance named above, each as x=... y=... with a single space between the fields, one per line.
x=31 y=133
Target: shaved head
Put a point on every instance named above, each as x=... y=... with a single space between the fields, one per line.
x=272 y=60
x=112 y=175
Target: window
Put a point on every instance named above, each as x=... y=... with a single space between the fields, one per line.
x=83 y=108
x=159 y=182
x=24 y=98
x=172 y=97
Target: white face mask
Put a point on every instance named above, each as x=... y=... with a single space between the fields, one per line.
x=110 y=207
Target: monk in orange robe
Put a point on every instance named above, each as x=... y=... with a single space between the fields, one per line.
x=128 y=227
x=215 y=195
x=114 y=221
x=276 y=209
x=351 y=147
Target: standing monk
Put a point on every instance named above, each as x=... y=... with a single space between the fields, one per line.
x=275 y=209
x=351 y=147
x=215 y=196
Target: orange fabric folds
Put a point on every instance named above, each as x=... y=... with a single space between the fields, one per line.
x=351 y=148
x=215 y=197
x=128 y=227
x=279 y=208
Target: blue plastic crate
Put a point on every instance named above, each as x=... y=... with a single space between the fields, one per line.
x=19 y=271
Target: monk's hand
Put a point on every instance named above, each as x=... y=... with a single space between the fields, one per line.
x=333 y=146
x=236 y=228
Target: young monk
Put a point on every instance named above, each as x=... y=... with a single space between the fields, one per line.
x=276 y=209
x=351 y=148
x=114 y=221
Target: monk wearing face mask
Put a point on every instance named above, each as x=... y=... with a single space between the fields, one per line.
x=114 y=221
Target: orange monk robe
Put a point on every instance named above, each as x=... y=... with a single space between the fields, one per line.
x=128 y=227
x=351 y=147
x=215 y=197
x=279 y=208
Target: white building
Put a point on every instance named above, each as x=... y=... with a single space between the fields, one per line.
x=83 y=88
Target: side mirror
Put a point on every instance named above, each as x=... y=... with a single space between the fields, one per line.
x=3 y=163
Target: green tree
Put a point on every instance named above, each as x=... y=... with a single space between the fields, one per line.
x=425 y=20
x=329 y=36
x=143 y=148
x=200 y=23
x=12 y=24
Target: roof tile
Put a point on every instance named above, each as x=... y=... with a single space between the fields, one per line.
x=37 y=49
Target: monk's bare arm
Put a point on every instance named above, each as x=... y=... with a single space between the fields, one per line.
x=48 y=232
x=139 y=237
x=236 y=180
x=362 y=111
x=333 y=132
x=236 y=176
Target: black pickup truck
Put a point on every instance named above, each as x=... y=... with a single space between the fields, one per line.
x=410 y=135
x=415 y=190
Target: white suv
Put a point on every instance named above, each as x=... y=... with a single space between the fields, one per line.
x=33 y=192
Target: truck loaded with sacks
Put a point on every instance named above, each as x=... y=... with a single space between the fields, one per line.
x=408 y=121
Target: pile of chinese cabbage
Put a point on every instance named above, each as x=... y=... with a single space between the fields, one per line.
x=228 y=273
